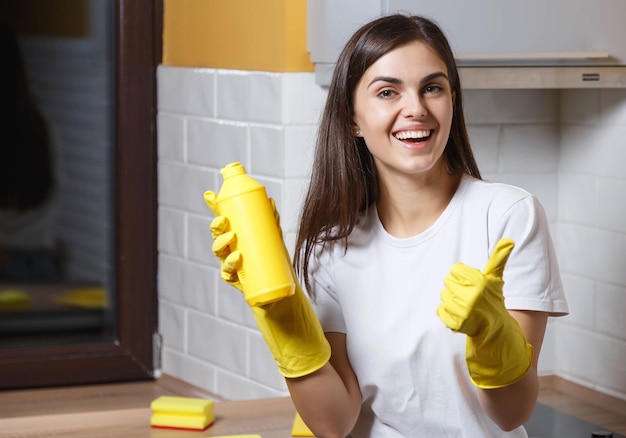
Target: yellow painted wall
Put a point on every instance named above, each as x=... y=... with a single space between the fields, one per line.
x=259 y=35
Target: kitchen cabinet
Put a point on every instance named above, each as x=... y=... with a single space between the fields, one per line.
x=529 y=44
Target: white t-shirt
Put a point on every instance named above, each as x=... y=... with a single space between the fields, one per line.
x=383 y=294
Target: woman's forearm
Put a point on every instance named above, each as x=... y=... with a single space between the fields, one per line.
x=324 y=403
x=329 y=400
x=511 y=406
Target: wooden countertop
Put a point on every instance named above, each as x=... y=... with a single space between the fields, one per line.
x=270 y=418
x=122 y=410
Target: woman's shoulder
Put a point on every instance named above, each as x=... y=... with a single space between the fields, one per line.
x=491 y=191
x=335 y=247
x=496 y=199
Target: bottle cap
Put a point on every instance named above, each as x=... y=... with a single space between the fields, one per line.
x=233 y=169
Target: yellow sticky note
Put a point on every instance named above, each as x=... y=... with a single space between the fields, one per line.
x=299 y=428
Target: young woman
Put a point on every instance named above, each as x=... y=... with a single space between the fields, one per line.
x=409 y=259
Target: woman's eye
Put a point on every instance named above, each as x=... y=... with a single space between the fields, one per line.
x=386 y=93
x=433 y=89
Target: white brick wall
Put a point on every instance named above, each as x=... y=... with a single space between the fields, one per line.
x=566 y=147
x=208 y=118
x=592 y=238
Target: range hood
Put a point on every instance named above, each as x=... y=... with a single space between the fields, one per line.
x=497 y=44
x=542 y=77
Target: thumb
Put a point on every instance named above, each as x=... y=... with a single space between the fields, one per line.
x=499 y=257
x=211 y=200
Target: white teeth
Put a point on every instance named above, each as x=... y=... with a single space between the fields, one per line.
x=412 y=134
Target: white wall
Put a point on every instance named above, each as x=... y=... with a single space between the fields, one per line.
x=207 y=119
x=558 y=145
x=592 y=238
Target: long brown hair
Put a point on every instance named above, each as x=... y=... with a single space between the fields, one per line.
x=344 y=179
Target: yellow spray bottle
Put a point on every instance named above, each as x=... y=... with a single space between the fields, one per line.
x=265 y=272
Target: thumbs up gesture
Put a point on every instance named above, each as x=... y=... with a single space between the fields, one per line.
x=497 y=353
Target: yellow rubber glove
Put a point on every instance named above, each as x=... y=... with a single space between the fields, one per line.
x=289 y=326
x=496 y=352
x=299 y=427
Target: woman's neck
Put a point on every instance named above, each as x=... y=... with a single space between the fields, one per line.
x=410 y=206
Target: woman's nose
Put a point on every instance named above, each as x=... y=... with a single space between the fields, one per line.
x=414 y=106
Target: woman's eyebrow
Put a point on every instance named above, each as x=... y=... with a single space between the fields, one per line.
x=396 y=81
x=435 y=75
x=388 y=79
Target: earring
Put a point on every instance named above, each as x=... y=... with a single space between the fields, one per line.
x=357 y=132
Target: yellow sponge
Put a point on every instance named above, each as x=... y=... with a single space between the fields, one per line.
x=299 y=428
x=182 y=413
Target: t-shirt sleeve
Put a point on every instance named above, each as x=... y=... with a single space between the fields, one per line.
x=324 y=298
x=532 y=278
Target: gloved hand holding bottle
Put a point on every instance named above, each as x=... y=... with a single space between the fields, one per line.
x=254 y=259
x=497 y=352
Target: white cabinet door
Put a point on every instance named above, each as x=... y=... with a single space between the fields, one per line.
x=528 y=32
x=489 y=32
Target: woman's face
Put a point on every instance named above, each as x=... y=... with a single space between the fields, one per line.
x=403 y=109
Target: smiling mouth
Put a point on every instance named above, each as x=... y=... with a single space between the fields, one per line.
x=413 y=136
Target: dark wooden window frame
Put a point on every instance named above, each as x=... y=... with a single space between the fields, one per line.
x=139 y=26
